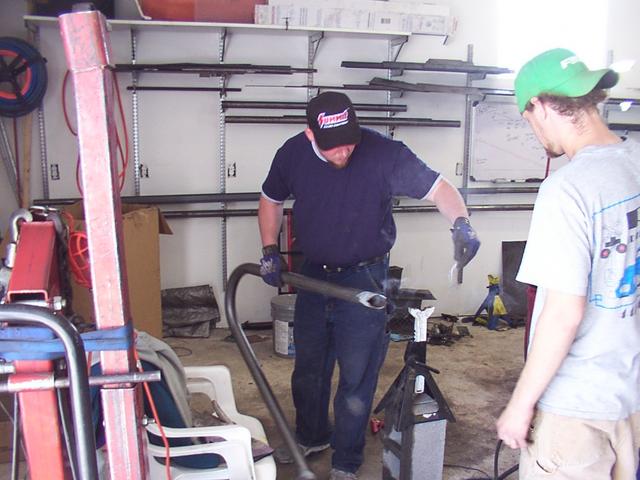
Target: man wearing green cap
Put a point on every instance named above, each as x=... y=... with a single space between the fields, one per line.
x=574 y=411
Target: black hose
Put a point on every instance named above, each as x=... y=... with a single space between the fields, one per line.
x=367 y=299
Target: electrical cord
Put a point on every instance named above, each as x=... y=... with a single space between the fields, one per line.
x=496 y=474
x=124 y=155
x=464 y=467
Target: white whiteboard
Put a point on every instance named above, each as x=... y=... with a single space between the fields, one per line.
x=503 y=146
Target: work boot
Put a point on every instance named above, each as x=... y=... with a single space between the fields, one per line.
x=283 y=455
x=336 y=474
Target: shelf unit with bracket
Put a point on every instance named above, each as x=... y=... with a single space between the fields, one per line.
x=315 y=38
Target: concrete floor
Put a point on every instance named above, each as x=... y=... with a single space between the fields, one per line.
x=477 y=377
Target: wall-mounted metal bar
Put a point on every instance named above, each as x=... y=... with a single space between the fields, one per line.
x=248 y=197
x=252 y=212
x=298 y=119
x=167 y=199
x=617 y=101
x=432 y=65
x=627 y=127
x=137 y=88
x=211 y=69
x=362 y=107
x=436 y=88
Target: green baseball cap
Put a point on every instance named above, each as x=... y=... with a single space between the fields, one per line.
x=559 y=72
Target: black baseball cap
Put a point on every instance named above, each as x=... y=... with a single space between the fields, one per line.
x=333 y=120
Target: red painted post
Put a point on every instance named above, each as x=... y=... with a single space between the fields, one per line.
x=35 y=278
x=86 y=44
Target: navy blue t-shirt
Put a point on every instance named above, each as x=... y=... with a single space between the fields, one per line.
x=344 y=216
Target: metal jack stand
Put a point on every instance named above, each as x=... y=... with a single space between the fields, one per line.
x=416 y=417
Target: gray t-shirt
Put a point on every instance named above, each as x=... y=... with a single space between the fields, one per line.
x=583 y=240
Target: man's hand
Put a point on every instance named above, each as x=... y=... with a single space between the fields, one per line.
x=514 y=424
x=271 y=266
x=465 y=241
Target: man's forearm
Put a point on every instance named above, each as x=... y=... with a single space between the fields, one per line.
x=448 y=200
x=269 y=220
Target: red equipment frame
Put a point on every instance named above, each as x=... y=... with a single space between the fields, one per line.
x=35 y=278
x=86 y=44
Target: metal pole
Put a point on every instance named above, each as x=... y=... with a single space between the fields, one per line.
x=86 y=43
x=222 y=136
x=368 y=299
x=134 y=116
x=78 y=378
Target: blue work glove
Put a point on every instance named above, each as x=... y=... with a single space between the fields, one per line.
x=465 y=241
x=272 y=264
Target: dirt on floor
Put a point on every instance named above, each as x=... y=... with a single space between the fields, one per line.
x=477 y=376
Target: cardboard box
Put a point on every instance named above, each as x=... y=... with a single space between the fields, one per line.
x=407 y=7
x=367 y=15
x=313 y=17
x=141 y=226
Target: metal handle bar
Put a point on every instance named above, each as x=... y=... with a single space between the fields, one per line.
x=367 y=299
x=75 y=355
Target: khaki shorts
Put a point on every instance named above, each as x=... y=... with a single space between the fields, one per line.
x=566 y=448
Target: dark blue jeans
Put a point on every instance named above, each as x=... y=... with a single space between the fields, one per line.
x=326 y=330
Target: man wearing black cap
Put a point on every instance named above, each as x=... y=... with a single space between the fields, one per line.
x=343 y=179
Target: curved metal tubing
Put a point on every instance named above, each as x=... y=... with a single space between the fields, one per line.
x=79 y=386
x=368 y=299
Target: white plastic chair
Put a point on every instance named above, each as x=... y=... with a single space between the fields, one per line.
x=215 y=383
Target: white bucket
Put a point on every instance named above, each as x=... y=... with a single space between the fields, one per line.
x=282 y=309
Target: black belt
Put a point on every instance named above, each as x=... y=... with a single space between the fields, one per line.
x=364 y=263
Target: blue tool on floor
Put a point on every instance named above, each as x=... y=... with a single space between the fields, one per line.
x=493 y=304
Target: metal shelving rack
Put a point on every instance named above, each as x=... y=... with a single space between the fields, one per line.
x=315 y=37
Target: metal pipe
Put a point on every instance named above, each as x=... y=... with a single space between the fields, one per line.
x=300 y=119
x=211 y=69
x=47 y=383
x=138 y=88
x=627 y=127
x=250 y=359
x=168 y=199
x=406 y=209
x=433 y=65
x=361 y=107
x=75 y=356
x=247 y=196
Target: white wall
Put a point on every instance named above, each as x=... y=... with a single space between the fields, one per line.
x=179 y=133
